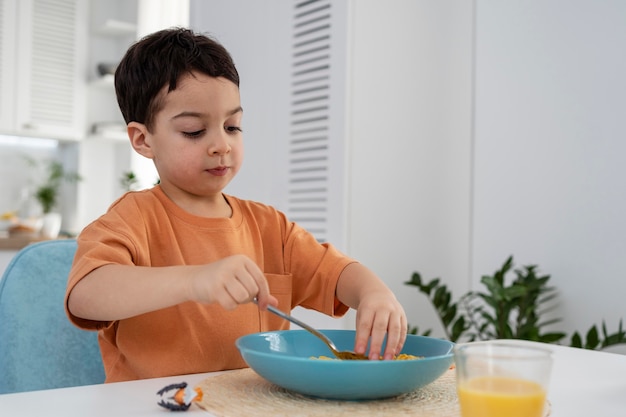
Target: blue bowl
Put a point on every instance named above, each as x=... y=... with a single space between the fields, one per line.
x=284 y=358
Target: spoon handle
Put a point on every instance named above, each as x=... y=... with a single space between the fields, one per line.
x=305 y=326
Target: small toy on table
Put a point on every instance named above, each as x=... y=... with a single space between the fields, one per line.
x=181 y=397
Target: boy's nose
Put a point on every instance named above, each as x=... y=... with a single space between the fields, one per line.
x=219 y=144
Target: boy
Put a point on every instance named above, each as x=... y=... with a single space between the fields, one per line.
x=167 y=274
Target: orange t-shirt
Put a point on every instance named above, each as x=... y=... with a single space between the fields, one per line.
x=146 y=228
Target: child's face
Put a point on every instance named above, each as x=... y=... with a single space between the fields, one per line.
x=196 y=141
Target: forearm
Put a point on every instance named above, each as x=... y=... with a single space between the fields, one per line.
x=355 y=281
x=115 y=292
x=379 y=314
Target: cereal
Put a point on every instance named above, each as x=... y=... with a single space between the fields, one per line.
x=400 y=357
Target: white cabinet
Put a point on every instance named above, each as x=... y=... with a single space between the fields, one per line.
x=112 y=30
x=42 y=68
x=8 y=13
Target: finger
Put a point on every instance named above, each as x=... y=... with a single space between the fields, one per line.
x=394 y=338
x=379 y=331
x=405 y=329
x=226 y=299
x=239 y=289
x=262 y=290
x=363 y=330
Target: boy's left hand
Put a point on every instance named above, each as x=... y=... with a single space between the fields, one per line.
x=379 y=314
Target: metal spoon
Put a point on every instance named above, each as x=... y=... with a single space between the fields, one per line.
x=345 y=354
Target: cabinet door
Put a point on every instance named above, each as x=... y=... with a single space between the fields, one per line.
x=8 y=15
x=51 y=79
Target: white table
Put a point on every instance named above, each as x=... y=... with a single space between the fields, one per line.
x=583 y=383
x=135 y=398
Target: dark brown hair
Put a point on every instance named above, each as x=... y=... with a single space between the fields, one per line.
x=159 y=60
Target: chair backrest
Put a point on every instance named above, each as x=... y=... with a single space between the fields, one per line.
x=39 y=347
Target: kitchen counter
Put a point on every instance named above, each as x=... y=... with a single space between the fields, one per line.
x=18 y=242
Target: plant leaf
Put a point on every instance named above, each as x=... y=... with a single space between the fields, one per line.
x=592 y=338
x=551 y=337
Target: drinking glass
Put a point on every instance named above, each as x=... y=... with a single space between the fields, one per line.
x=497 y=379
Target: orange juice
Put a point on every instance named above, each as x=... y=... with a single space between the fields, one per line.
x=493 y=396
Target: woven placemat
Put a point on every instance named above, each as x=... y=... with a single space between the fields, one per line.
x=243 y=392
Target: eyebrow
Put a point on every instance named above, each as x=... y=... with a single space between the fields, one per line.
x=198 y=114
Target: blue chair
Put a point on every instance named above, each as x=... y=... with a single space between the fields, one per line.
x=39 y=347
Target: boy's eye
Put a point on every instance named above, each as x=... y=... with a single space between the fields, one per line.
x=194 y=134
x=233 y=129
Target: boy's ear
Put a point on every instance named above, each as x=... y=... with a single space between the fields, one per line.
x=137 y=133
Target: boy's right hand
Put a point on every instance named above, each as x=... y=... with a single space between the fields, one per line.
x=229 y=282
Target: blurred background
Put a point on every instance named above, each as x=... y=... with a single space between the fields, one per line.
x=438 y=136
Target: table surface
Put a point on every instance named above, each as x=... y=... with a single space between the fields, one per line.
x=583 y=382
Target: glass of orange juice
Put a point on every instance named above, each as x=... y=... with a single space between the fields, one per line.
x=498 y=378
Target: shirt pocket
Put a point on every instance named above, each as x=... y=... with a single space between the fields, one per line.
x=281 y=286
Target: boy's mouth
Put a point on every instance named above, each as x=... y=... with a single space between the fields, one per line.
x=218 y=171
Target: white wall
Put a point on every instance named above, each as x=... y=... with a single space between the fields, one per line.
x=411 y=144
x=551 y=149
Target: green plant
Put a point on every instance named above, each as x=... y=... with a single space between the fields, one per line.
x=128 y=181
x=512 y=310
x=47 y=192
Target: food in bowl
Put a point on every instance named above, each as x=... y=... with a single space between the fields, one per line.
x=284 y=358
x=400 y=357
